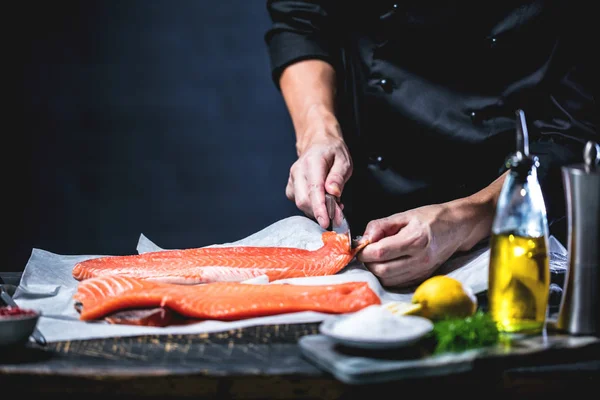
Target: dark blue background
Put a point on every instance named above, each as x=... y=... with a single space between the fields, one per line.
x=144 y=116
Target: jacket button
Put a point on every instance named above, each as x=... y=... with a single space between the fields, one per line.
x=377 y=160
x=475 y=117
x=386 y=85
x=390 y=12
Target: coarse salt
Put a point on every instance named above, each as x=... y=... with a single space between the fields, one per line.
x=372 y=323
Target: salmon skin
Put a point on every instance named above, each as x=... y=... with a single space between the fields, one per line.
x=157 y=316
x=225 y=264
x=227 y=301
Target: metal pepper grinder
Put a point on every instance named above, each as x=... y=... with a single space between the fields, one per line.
x=579 y=312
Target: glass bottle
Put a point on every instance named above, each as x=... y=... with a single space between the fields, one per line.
x=519 y=270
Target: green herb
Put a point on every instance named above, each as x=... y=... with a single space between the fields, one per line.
x=459 y=334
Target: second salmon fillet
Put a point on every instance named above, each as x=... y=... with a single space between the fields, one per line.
x=227 y=301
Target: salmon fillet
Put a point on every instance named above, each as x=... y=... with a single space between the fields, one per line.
x=226 y=301
x=225 y=264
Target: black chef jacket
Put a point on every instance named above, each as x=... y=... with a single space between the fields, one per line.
x=429 y=89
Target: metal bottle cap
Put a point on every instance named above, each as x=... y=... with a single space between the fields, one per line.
x=591 y=156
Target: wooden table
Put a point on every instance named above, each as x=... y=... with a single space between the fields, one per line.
x=263 y=362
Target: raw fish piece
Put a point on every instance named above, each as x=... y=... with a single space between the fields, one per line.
x=225 y=264
x=106 y=295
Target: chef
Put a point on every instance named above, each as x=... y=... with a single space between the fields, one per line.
x=406 y=112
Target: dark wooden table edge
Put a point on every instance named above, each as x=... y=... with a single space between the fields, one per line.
x=536 y=384
x=528 y=380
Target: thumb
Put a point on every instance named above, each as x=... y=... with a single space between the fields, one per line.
x=338 y=175
x=384 y=227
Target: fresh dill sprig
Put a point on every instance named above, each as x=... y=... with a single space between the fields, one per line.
x=459 y=334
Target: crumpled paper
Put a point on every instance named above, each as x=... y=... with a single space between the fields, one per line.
x=48 y=286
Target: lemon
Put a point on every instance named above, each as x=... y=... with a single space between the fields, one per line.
x=403 y=308
x=444 y=297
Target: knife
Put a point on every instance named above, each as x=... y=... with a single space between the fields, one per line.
x=337 y=220
x=36 y=335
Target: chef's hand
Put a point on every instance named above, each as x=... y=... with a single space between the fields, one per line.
x=407 y=248
x=324 y=166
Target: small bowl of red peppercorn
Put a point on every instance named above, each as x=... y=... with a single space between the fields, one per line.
x=16 y=325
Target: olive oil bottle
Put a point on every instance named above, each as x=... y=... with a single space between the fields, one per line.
x=519 y=270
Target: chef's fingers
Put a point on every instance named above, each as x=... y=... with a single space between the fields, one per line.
x=402 y=272
x=315 y=180
x=399 y=272
x=409 y=240
x=289 y=189
x=380 y=228
x=338 y=175
x=316 y=194
x=297 y=189
x=302 y=197
x=385 y=249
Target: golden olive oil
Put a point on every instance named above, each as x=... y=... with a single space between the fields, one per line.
x=519 y=282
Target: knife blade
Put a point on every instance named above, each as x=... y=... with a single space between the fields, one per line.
x=337 y=220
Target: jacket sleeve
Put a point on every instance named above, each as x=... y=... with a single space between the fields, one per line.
x=300 y=30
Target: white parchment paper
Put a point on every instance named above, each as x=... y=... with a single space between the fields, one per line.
x=48 y=286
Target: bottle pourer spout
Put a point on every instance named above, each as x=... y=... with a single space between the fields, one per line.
x=522 y=135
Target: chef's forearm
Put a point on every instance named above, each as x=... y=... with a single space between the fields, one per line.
x=475 y=213
x=308 y=88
